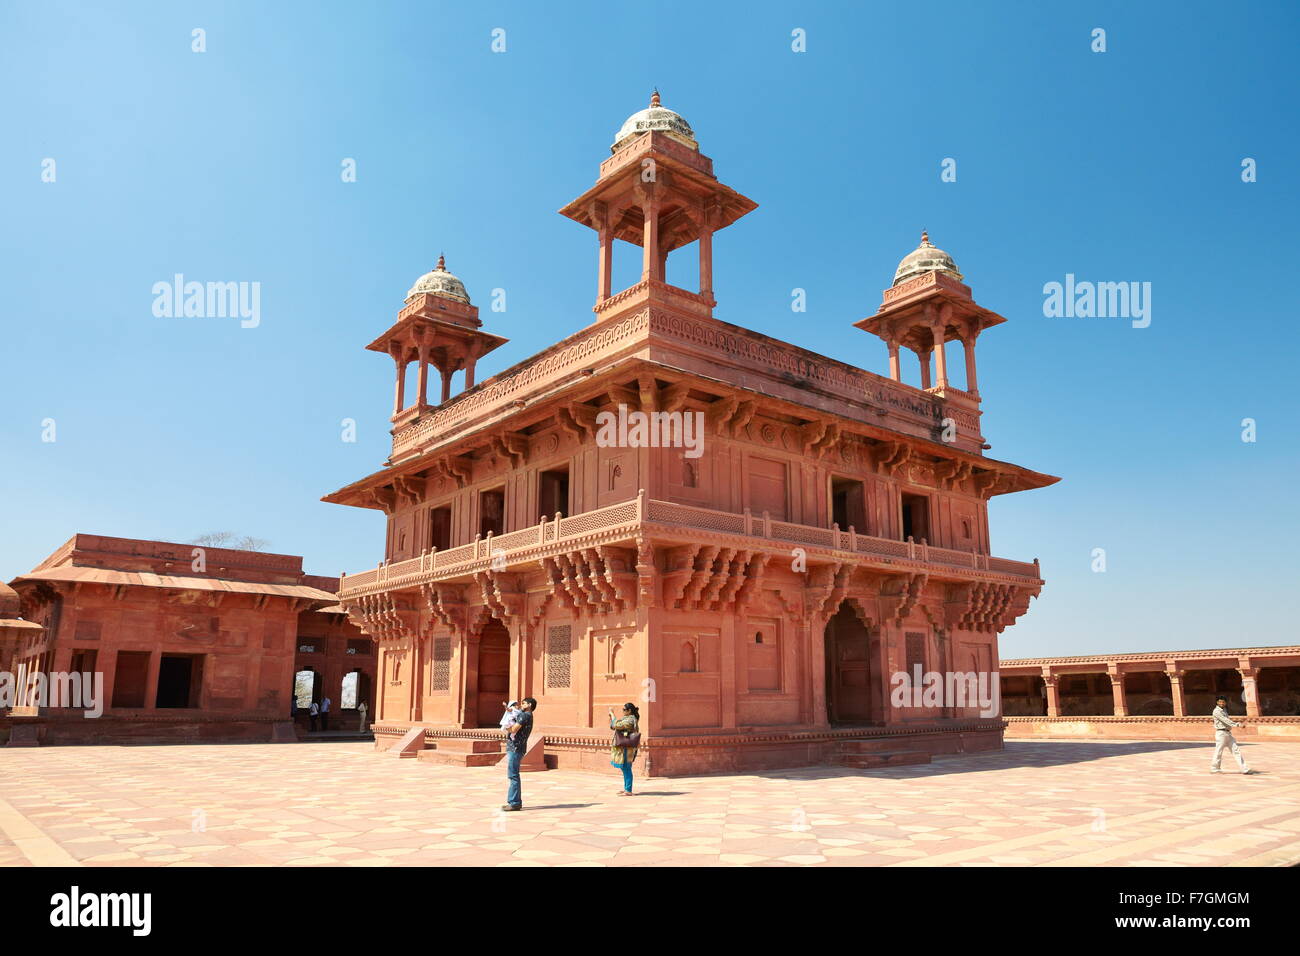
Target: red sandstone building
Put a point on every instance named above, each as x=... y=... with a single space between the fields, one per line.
x=756 y=598
x=1159 y=694
x=194 y=644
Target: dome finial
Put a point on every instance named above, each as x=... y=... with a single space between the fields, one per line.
x=442 y=263
x=654 y=98
x=926 y=258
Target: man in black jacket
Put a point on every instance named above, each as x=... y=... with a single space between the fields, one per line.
x=516 y=746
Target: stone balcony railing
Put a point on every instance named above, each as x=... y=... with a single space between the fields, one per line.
x=624 y=520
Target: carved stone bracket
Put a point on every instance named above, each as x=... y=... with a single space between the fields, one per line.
x=985 y=606
x=646 y=572
x=597 y=580
x=502 y=595
x=409 y=490
x=384 y=497
x=512 y=447
x=952 y=473
x=889 y=456
x=383 y=616
x=446 y=604
x=900 y=594
x=577 y=419
x=456 y=467
x=990 y=483
x=827 y=585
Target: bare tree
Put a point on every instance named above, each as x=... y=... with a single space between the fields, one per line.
x=227 y=539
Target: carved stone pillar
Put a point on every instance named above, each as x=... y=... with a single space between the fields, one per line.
x=706 y=261
x=968 y=344
x=940 y=358
x=424 y=375
x=1176 y=690
x=1249 y=687
x=1052 y=692
x=650 y=260
x=895 y=372
x=399 y=396
x=1117 y=691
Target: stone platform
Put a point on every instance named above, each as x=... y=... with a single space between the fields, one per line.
x=677 y=756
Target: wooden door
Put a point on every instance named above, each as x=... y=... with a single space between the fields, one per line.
x=848 y=669
x=493 y=673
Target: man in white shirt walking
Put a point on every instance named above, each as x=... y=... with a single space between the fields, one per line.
x=1223 y=725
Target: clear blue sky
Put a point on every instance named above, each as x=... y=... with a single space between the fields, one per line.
x=225 y=165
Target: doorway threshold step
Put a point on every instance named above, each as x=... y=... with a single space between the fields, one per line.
x=883 y=758
x=461 y=758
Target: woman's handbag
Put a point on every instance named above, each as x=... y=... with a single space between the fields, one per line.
x=627 y=740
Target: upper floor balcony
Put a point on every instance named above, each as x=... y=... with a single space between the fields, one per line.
x=668 y=521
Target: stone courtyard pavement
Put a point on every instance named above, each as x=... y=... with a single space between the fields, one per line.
x=1042 y=803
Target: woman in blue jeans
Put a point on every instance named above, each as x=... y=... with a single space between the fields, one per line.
x=623 y=756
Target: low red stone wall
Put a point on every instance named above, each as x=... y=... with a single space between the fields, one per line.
x=1148 y=728
x=54 y=730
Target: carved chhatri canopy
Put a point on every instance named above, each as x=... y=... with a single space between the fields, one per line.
x=657 y=191
x=926 y=306
x=437 y=326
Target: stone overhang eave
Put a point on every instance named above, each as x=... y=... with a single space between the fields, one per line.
x=1092 y=661
x=1028 y=478
x=352 y=494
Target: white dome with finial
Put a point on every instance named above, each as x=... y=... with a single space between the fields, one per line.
x=440 y=282
x=925 y=258
x=656 y=117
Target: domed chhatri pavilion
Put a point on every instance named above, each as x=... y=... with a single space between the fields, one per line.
x=756 y=593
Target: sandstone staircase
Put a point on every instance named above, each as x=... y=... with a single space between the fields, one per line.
x=465 y=751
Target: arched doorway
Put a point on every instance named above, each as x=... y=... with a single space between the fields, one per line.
x=493 y=673
x=852 y=670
